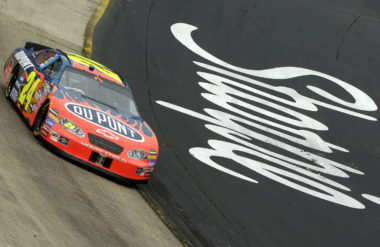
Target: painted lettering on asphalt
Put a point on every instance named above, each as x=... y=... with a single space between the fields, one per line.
x=244 y=123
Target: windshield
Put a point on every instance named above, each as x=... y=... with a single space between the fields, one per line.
x=98 y=89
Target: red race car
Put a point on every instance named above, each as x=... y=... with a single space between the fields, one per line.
x=83 y=109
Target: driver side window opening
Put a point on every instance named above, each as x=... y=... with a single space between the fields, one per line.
x=52 y=69
x=49 y=61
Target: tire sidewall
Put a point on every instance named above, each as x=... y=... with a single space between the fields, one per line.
x=41 y=116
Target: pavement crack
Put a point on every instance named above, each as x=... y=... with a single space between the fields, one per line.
x=348 y=29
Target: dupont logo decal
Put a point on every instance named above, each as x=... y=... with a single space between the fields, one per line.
x=104 y=120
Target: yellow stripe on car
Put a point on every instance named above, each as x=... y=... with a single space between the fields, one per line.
x=88 y=62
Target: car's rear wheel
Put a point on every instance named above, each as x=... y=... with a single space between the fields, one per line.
x=41 y=116
x=11 y=82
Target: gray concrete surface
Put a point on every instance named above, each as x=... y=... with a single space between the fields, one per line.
x=45 y=200
x=62 y=21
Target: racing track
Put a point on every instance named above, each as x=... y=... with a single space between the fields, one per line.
x=298 y=164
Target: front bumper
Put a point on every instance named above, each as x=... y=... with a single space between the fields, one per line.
x=77 y=149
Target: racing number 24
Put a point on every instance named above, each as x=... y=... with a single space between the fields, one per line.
x=28 y=90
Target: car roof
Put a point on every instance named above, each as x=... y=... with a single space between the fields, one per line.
x=91 y=66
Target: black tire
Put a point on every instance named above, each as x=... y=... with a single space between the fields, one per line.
x=11 y=82
x=42 y=113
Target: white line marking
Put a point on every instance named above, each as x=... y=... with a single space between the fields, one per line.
x=372 y=198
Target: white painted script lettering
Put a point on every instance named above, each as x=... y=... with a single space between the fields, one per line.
x=250 y=116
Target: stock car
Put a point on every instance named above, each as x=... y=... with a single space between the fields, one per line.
x=82 y=109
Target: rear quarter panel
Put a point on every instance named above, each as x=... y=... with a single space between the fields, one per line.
x=31 y=89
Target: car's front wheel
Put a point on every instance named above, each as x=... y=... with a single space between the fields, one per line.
x=41 y=116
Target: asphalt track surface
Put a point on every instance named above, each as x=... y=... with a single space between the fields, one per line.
x=269 y=188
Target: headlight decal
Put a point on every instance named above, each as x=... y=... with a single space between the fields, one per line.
x=71 y=127
x=137 y=154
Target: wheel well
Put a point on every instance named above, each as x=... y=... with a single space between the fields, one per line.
x=14 y=73
x=16 y=68
x=47 y=101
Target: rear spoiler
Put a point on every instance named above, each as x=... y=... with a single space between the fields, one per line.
x=35 y=47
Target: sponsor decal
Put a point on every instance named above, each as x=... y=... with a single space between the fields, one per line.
x=23 y=60
x=50 y=122
x=54 y=136
x=44 y=132
x=108 y=134
x=104 y=153
x=53 y=117
x=54 y=111
x=32 y=108
x=63 y=140
x=42 y=92
x=46 y=128
x=152 y=163
x=14 y=94
x=38 y=97
x=139 y=171
x=152 y=158
x=104 y=120
x=144 y=172
x=17 y=83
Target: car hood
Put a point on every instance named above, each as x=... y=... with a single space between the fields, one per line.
x=95 y=118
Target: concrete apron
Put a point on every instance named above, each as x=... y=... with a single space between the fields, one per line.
x=45 y=200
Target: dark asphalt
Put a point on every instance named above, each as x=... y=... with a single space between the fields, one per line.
x=209 y=207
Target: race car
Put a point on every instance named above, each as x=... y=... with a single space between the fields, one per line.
x=83 y=109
